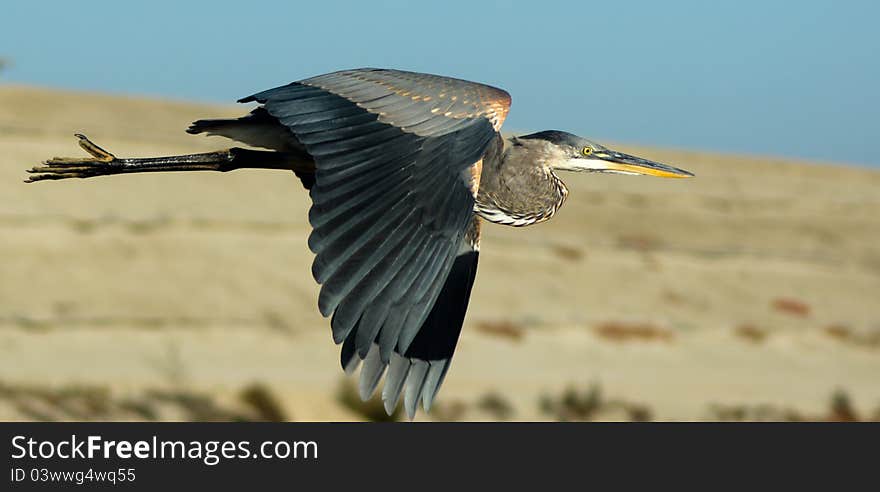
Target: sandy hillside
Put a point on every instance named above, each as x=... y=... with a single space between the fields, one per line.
x=748 y=292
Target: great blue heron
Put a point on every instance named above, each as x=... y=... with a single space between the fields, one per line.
x=400 y=167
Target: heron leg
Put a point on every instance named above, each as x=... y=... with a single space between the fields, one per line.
x=103 y=163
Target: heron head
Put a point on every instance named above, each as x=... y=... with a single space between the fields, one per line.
x=567 y=152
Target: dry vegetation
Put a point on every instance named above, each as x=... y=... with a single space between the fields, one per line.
x=87 y=402
x=566 y=252
x=591 y=404
x=503 y=328
x=840 y=409
x=167 y=296
x=751 y=333
x=619 y=331
x=792 y=307
x=869 y=339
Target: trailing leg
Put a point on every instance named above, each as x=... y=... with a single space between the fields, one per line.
x=104 y=163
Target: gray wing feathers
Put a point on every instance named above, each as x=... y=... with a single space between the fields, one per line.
x=433 y=381
x=371 y=373
x=390 y=208
x=415 y=381
x=397 y=370
x=402 y=99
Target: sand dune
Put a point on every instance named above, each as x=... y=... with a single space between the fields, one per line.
x=752 y=286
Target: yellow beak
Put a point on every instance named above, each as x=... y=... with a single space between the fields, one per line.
x=618 y=162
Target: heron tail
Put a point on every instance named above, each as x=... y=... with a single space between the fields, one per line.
x=257 y=129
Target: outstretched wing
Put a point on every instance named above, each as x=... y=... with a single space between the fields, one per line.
x=396 y=174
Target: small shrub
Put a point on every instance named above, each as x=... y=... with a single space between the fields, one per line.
x=751 y=333
x=792 y=307
x=624 y=332
x=502 y=328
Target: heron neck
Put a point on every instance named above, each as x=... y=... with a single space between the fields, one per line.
x=517 y=187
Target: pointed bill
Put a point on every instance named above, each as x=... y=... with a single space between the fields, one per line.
x=606 y=160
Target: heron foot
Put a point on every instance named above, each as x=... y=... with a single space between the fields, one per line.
x=102 y=163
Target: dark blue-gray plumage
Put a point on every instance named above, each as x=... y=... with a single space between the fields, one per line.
x=401 y=168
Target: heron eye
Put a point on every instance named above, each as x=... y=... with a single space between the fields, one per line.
x=587 y=150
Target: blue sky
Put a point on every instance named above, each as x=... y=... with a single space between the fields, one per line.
x=796 y=79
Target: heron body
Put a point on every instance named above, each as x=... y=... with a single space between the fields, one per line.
x=401 y=167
